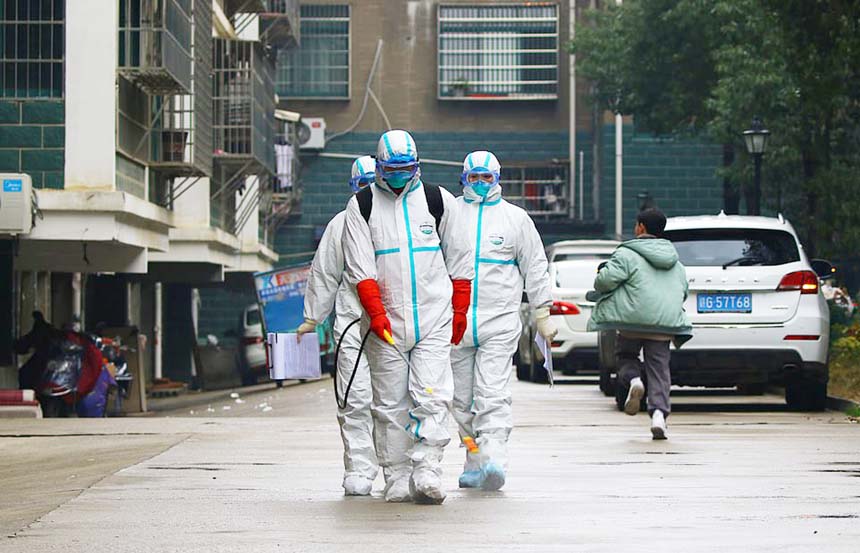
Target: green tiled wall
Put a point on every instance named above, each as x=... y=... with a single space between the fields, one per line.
x=32 y=140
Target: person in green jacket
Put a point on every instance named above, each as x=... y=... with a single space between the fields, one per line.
x=641 y=290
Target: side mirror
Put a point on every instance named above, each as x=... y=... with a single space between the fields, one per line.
x=824 y=269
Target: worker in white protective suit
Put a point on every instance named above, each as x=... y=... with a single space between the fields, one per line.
x=326 y=289
x=411 y=280
x=506 y=251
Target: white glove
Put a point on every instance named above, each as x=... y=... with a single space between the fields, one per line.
x=309 y=325
x=545 y=326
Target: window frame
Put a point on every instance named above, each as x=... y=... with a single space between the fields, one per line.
x=520 y=98
x=348 y=96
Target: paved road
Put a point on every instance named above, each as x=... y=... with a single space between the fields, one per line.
x=738 y=474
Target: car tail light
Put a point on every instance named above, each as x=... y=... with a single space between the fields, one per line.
x=252 y=340
x=563 y=308
x=802 y=337
x=556 y=344
x=805 y=281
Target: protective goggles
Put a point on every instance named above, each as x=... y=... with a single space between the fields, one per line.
x=359 y=182
x=390 y=168
x=475 y=176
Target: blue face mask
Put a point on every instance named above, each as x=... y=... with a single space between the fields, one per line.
x=398 y=179
x=482 y=188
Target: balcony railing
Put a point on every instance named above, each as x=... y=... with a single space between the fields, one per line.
x=155 y=44
x=181 y=139
x=244 y=105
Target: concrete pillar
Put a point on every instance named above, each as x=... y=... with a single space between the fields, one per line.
x=156 y=339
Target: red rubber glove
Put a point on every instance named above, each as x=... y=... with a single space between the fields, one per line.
x=460 y=303
x=371 y=300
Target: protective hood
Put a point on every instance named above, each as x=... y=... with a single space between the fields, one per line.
x=362 y=166
x=396 y=147
x=660 y=253
x=485 y=162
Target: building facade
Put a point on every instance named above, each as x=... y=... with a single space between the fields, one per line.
x=148 y=129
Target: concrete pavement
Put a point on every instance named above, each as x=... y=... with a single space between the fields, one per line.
x=738 y=474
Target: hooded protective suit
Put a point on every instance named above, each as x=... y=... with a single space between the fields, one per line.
x=507 y=252
x=328 y=288
x=407 y=264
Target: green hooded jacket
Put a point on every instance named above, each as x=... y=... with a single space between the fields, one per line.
x=642 y=289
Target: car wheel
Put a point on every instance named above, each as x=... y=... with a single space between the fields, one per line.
x=523 y=370
x=804 y=394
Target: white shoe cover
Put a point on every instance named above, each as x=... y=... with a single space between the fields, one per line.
x=355 y=484
x=397 y=489
x=426 y=487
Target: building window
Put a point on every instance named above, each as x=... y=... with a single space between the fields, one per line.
x=539 y=188
x=32 y=48
x=498 y=52
x=319 y=69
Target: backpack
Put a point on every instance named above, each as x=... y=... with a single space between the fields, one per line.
x=431 y=192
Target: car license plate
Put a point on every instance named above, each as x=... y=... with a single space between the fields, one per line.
x=724 y=303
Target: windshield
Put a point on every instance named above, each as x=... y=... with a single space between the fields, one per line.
x=734 y=247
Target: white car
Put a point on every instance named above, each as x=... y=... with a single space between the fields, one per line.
x=572 y=267
x=756 y=307
x=252 y=347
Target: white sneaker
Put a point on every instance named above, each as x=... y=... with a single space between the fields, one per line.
x=634 y=396
x=355 y=484
x=658 y=425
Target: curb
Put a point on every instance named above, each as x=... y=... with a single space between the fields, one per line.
x=195 y=399
x=838 y=404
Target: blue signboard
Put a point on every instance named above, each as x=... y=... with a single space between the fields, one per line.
x=281 y=294
x=13 y=185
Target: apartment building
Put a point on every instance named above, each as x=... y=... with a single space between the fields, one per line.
x=148 y=129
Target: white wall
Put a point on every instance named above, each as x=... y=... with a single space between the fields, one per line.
x=91 y=57
x=191 y=209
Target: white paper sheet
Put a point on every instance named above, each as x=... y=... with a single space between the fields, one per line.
x=290 y=359
x=546 y=351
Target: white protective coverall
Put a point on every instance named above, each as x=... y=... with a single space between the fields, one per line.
x=328 y=288
x=506 y=251
x=402 y=250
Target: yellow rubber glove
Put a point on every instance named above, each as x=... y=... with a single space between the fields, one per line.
x=309 y=325
x=545 y=326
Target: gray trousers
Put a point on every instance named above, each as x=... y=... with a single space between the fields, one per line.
x=656 y=354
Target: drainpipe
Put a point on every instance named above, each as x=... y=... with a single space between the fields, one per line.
x=572 y=123
x=619 y=169
x=77 y=298
x=156 y=343
x=195 y=316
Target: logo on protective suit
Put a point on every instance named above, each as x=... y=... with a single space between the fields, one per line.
x=426 y=228
x=497 y=239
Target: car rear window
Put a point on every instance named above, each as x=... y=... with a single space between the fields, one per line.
x=740 y=247
x=252 y=317
x=576 y=274
x=580 y=256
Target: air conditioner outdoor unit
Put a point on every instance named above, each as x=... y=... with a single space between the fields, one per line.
x=16 y=203
x=311 y=133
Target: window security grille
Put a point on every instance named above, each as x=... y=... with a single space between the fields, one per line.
x=320 y=67
x=32 y=48
x=498 y=52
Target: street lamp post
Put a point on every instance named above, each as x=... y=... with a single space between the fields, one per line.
x=756 y=139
